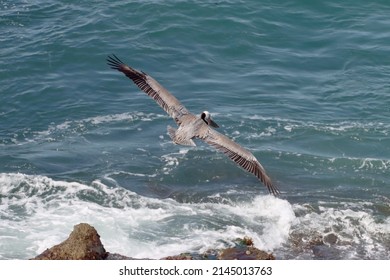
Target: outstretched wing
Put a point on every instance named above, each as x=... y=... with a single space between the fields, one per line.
x=152 y=88
x=240 y=155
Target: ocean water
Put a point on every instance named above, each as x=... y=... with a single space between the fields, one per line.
x=304 y=85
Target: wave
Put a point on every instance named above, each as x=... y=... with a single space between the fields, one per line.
x=41 y=211
x=344 y=230
x=96 y=124
x=335 y=127
x=38 y=212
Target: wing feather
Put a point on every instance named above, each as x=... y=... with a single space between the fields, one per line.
x=151 y=87
x=241 y=156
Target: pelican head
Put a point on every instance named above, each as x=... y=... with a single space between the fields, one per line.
x=206 y=117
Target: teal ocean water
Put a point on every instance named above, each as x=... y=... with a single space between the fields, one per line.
x=304 y=85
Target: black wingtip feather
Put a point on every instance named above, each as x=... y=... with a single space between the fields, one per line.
x=114 y=62
x=274 y=190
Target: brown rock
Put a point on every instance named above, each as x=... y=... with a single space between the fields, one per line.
x=246 y=253
x=330 y=238
x=82 y=244
x=247 y=241
x=179 y=257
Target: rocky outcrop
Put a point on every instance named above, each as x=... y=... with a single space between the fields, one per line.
x=241 y=253
x=243 y=249
x=84 y=244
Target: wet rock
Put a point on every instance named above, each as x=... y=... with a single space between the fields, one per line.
x=324 y=252
x=243 y=249
x=306 y=241
x=116 y=256
x=330 y=238
x=322 y=246
x=82 y=244
x=242 y=253
x=184 y=256
x=247 y=241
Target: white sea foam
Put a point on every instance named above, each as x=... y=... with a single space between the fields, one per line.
x=358 y=233
x=38 y=212
x=41 y=212
x=172 y=160
x=374 y=163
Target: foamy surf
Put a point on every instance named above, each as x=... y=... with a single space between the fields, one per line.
x=38 y=212
x=348 y=230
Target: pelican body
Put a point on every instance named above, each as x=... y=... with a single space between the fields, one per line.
x=191 y=126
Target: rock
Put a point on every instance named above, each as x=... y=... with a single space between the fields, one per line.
x=324 y=252
x=330 y=238
x=242 y=253
x=183 y=256
x=244 y=249
x=247 y=241
x=82 y=244
x=115 y=256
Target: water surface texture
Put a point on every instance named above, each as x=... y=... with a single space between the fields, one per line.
x=304 y=85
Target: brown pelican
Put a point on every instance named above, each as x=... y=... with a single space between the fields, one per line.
x=192 y=126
